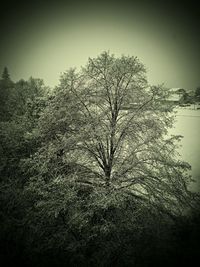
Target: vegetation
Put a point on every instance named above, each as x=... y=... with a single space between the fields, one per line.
x=197 y=94
x=88 y=175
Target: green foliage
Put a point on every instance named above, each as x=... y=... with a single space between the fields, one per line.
x=17 y=134
x=17 y=141
x=5 y=74
x=197 y=94
x=6 y=91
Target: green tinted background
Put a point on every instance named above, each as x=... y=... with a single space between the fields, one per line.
x=44 y=39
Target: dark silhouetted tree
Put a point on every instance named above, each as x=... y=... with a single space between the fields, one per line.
x=197 y=94
x=5 y=74
x=6 y=91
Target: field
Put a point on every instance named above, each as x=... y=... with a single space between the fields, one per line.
x=188 y=125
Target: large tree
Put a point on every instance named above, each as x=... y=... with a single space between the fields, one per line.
x=105 y=178
x=106 y=128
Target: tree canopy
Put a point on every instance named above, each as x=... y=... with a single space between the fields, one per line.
x=197 y=93
x=107 y=127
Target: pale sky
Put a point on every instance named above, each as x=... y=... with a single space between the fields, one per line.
x=45 y=40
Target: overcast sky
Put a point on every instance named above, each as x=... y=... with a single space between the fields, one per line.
x=45 y=40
